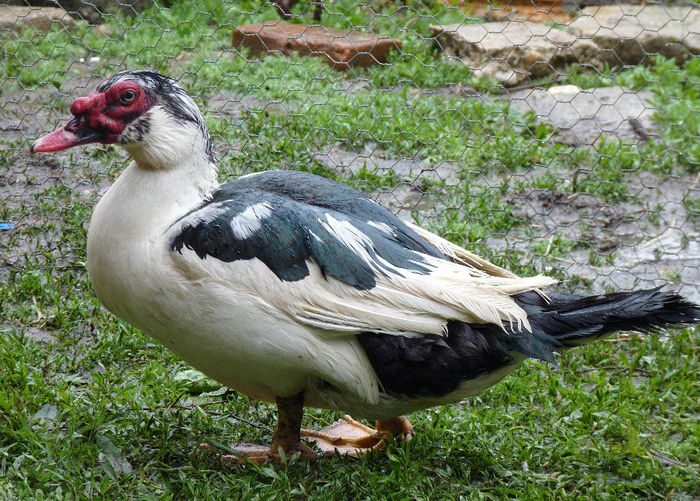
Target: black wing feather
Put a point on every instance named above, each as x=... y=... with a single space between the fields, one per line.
x=296 y=230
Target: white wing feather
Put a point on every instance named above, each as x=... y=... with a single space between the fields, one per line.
x=409 y=302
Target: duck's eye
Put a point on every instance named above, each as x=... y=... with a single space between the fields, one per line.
x=127 y=97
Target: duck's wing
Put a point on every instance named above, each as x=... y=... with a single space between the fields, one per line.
x=329 y=257
x=321 y=192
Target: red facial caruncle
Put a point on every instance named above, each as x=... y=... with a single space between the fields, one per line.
x=100 y=117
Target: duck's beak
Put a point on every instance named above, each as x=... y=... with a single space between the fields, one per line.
x=75 y=133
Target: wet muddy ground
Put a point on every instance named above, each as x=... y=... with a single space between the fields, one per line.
x=649 y=241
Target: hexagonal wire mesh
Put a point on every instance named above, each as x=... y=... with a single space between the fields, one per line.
x=548 y=138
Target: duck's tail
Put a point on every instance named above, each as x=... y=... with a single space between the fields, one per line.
x=437 y=365
x=574 y=320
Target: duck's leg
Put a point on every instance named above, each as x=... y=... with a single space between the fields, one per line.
x=286 y=437
x=345 y=436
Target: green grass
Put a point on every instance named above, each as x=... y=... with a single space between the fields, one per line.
x=92 y=409
x=99 y=412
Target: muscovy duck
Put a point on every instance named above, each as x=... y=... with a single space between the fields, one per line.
x=301 y=291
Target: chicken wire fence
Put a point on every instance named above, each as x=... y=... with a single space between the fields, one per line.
x=549 y=138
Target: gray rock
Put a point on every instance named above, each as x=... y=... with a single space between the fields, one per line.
x=14 y=18
x=628 y=34
x=582 y=116
x=512 y=52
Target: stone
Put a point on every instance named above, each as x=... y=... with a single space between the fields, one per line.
x=14 y=18
x=512 y=52
x=340 y=48
x=522 y=11
x=582 y=116
x=629 y=34
x=91 y=11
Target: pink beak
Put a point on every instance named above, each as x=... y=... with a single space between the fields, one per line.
x=73 y=134
x=56 y=141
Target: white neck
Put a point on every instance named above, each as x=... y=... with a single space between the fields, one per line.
x=168 y=143
x=171 y=174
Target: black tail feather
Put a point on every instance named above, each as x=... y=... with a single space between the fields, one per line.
x=574 y=320
x=436 y=365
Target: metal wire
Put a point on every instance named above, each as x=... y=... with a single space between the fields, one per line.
x=548 y=140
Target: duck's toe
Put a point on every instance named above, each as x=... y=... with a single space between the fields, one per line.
x=349 y=437
x=346 y=436
x=242 y=453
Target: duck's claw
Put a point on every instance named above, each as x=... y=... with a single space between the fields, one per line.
x=399 y=426
x=346 y=436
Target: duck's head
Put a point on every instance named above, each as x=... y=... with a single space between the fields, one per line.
x=148 y=114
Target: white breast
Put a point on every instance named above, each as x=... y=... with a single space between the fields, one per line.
x=224 y=330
